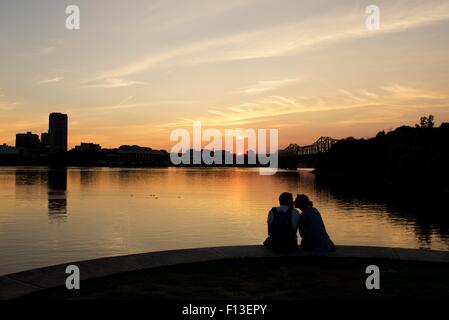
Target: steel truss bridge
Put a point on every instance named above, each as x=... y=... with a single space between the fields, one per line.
x=320 y=146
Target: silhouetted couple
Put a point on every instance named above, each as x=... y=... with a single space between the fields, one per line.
x=285 y=221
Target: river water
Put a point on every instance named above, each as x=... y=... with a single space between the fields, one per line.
x=56 y=216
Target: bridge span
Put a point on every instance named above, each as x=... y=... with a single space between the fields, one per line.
x=320 y=146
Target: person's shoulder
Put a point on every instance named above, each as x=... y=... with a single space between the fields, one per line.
x=295 y=211
x=272 y=211
x=310 y=211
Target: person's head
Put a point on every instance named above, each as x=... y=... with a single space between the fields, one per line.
x=303 y=202
x=286 y=199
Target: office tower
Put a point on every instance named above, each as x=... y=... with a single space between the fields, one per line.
x=57 y=133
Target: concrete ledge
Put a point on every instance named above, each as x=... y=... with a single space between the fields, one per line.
x=19 y=284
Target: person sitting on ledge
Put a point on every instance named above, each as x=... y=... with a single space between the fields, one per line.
x=283 y=225
x=311 y=227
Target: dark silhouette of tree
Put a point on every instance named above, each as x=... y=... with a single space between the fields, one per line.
x=406 y=155
x=427 y=122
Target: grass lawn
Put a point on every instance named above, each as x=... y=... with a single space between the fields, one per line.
x=291 y=278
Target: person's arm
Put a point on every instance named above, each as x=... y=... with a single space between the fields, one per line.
x=301 y=226
x=269 y=221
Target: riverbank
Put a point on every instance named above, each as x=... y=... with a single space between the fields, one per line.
x=285 y=278
x=227 y=269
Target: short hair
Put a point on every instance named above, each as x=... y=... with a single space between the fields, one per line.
x=286 y=198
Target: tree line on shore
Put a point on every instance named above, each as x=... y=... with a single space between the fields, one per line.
x=418 y=155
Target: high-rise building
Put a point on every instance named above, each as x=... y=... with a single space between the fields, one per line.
x=57 y=133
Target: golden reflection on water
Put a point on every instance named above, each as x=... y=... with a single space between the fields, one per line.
x=54 y=216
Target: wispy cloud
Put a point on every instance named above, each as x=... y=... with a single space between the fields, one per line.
x=51 y=80
x=114 y=83
x=130 y=103
x=150 y=61
x=267 y=85
x=396 y=96
x=173 y=14
x=410 y=93
x=8 y=105
x=291 y=38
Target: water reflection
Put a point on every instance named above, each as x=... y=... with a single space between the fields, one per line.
x=25 y=177
x=57 y=195
x=424 y=211
x=124 y=211
x=27 y=183
x=87 y=177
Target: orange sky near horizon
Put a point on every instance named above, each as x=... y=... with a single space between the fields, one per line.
x=134 y=73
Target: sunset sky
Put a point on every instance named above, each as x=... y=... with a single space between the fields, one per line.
x=136 y=70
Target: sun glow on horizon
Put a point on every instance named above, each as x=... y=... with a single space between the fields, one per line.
x=306 y=68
